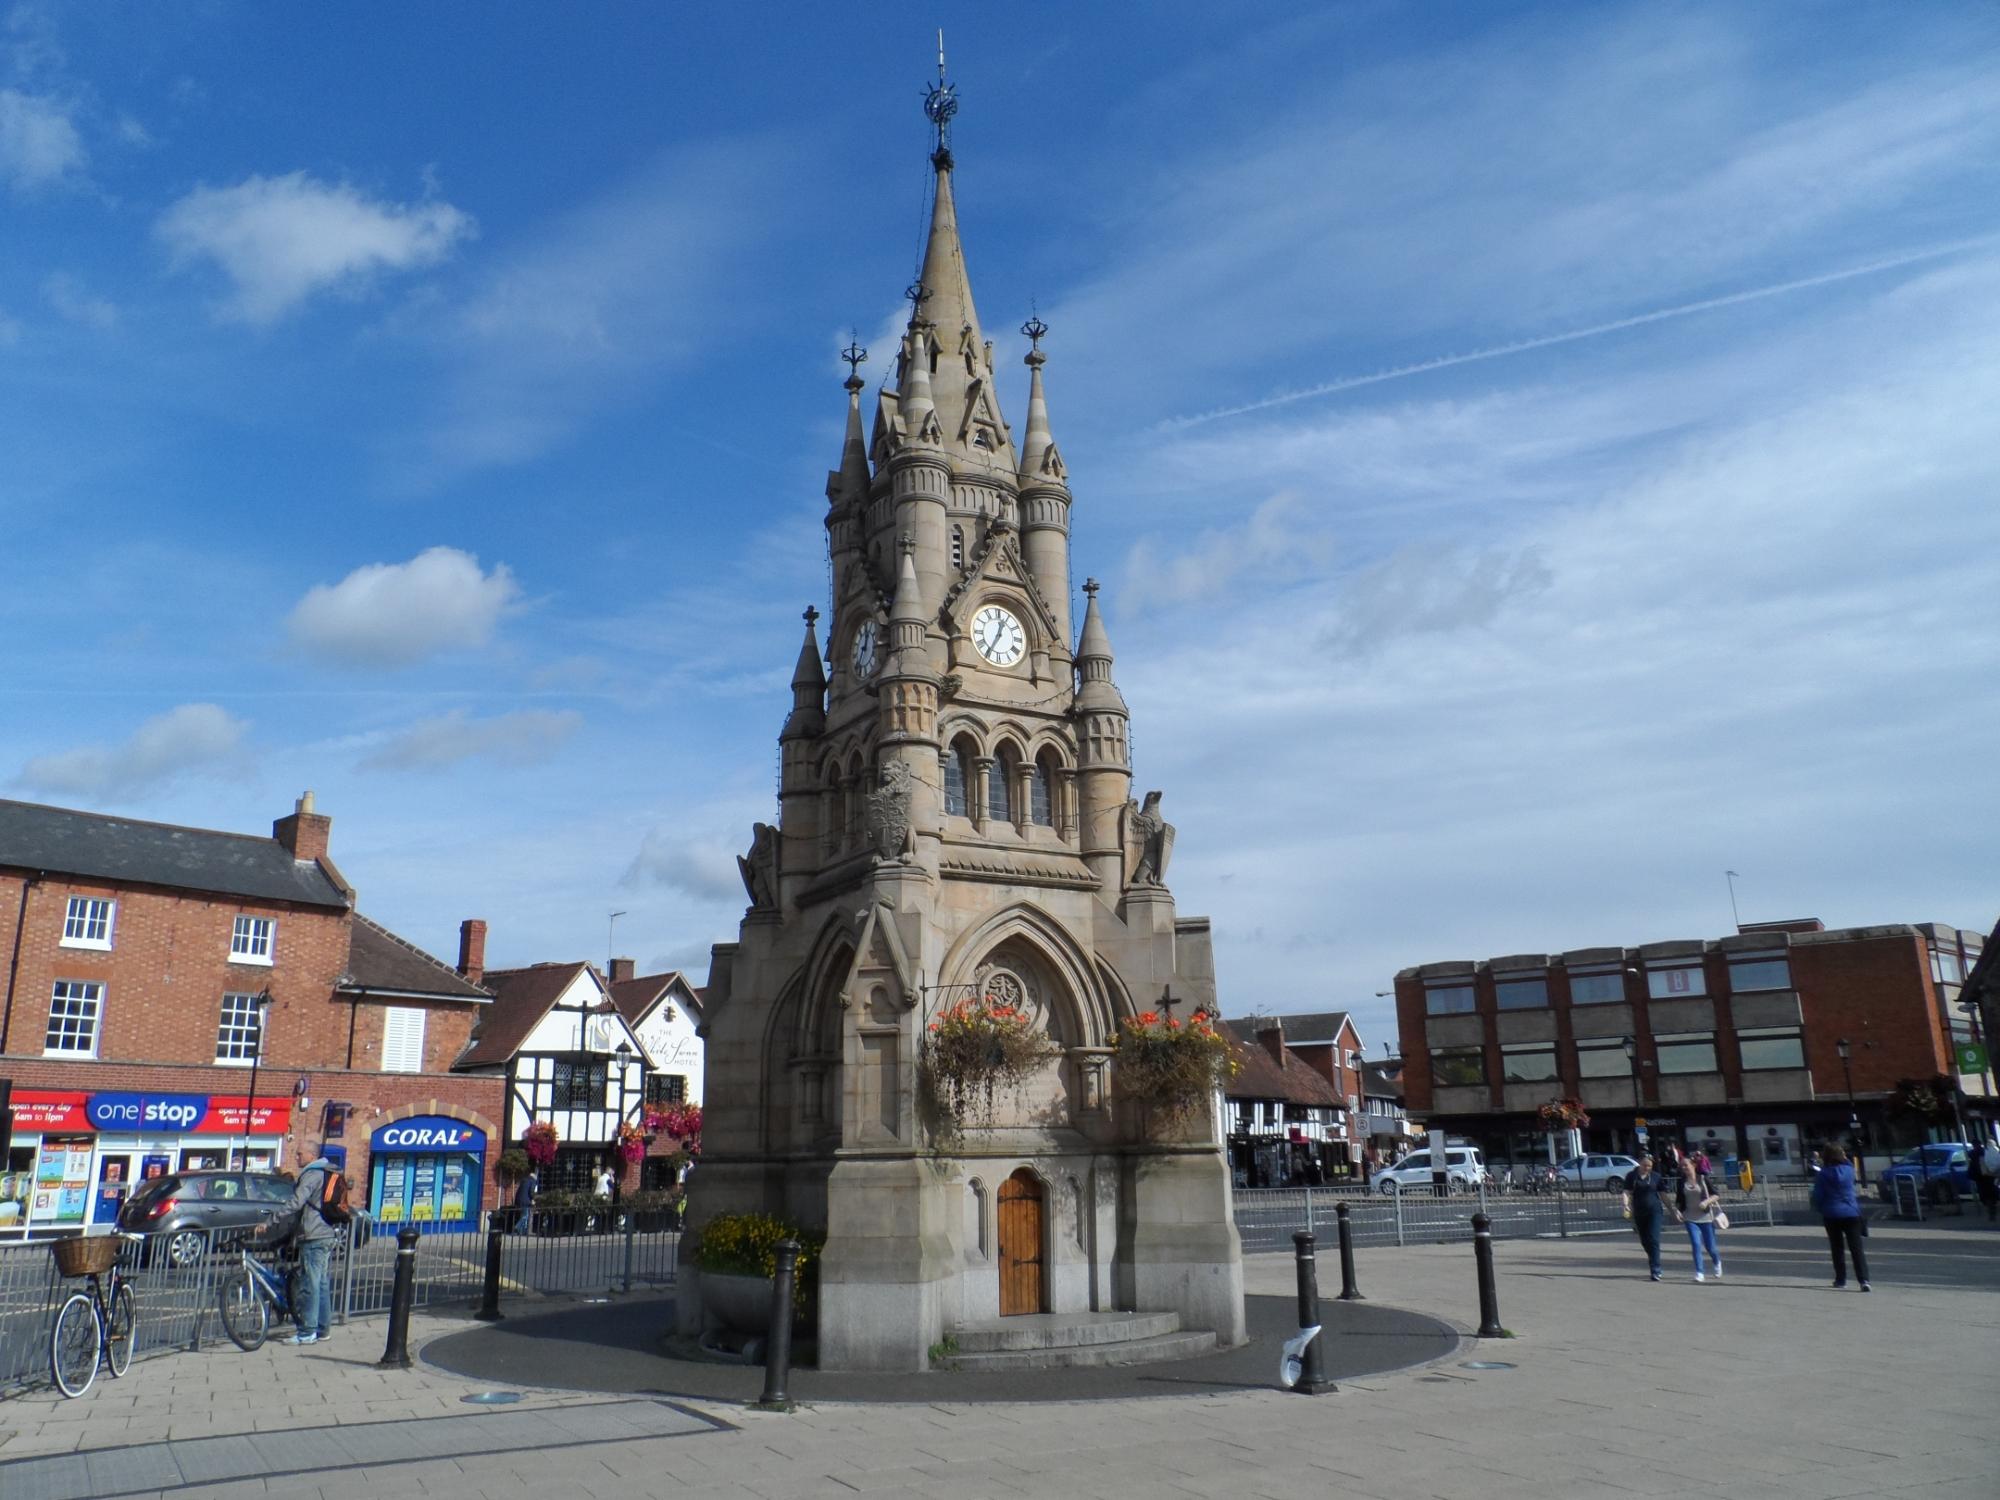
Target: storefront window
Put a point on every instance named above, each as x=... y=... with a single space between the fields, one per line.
x=428 y=1171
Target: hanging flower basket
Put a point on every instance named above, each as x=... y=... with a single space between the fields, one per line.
x=540 y=1140
x=631 y=1147
x=681 y=1122
x=976 y=1048
x=1175 y=1067
x=1563 y=1114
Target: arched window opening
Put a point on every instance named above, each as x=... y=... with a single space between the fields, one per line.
x=957 y=777
x=958 y=548
x=1041 y=801
x=1000 y=788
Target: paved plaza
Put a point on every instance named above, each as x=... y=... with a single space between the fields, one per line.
x=1766 y=1384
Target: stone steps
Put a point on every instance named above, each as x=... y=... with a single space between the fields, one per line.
x=1067 y=1340
x=1145 y=1351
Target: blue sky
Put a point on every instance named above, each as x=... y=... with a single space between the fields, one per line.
x=1538 y=458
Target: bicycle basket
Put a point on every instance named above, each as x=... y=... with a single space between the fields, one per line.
x=87 y=1256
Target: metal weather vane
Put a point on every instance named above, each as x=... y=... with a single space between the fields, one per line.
x=855 y=355
x=940 y=104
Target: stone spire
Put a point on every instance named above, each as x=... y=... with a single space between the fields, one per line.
x=1044 y=486
x=848 y=485
x=808 y=715
x=1096 y=691
x=1104 y=763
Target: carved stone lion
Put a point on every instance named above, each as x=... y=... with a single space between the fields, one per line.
x=889 y=814
x=1150 y=838
x=759 y=867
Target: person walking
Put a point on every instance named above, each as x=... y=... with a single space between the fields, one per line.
x=1833 y=1198
x=1986 y=1179
x=1695 y=1205
x=524 y=1201
x=315 y=1239
x=1646 y=1209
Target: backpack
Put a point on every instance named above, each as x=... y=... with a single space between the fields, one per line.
x=333 y=1206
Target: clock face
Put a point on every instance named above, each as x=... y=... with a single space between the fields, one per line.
x=865 y=641
x=998 y=636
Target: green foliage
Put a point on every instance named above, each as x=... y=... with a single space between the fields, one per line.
x=944 y=1348
x=1175 y=1068
x=974 y=1048
x=513 y=1165
x=747 y=1245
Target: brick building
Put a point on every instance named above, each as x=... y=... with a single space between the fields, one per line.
x=149 y=966
x=1286 y=1125
x=1752 y=1045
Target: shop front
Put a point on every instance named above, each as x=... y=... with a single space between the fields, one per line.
x=429 y=1171
x=74 y=1157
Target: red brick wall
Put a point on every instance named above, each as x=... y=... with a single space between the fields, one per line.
x=1877 y=993
x=1415 y=1047
x=167 y=970
x=447 y=1028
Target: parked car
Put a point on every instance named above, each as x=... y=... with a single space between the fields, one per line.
x=1464 y=1167
x=1597 y=1171
x=178 y=1209
x=1939 y=1169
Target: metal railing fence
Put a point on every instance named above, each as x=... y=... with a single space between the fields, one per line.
x=176 y=1304
x=1267 y=1217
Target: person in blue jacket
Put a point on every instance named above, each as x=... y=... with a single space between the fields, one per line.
x=1643 y=1206
x=1834 y=1199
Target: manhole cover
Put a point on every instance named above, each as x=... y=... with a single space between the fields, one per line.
x=1485 y=1364
x=491 y=1398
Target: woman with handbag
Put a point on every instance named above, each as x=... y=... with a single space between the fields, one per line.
x=1833 y=1198
x=1697 y=1205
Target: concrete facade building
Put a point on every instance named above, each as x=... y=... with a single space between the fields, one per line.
x=956 y=820
x=148 y=965
x=1753 y=1045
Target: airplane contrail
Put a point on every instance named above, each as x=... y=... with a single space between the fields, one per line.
x=1522 y=346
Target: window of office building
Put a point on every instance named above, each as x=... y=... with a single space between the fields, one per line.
x=1458 y=1065
x=1524 y=993
x=1596 y=986
x=1675 y=981
x=1686 y=1052
x=1602 y=1060
x=1771 y=1047
x=1529 y=1064
x=1759 y=971
x=1448 y=999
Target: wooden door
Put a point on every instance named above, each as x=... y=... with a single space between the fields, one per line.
x=1020 y=1244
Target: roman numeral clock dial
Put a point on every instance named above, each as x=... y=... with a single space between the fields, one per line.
x=998 y=636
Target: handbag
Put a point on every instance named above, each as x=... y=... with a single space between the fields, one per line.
x=1721 y=1219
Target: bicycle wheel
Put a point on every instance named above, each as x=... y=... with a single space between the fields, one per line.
x=124 y=1322
x=73 y=1345
x=243 y=1315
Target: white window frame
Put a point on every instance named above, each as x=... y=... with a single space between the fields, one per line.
x=77 y=924
x=403 y=1052
x=80 y=993
x=230 y=1033
x=244 y=935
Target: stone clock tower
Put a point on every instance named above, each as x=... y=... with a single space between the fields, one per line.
x=956 y=819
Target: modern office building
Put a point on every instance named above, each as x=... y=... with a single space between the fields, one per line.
x=1754 y=1045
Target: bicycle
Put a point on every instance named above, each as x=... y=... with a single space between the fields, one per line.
x=250 y=1296
x=96 y=1326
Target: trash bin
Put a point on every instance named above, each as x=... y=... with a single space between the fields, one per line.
x=1744 y=1176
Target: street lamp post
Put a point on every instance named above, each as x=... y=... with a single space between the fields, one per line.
x=1632 y=1068
x=1853 y=1116
x=259 y=1003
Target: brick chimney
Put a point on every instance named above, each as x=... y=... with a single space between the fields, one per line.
x=622 y=969
x=472 y=950
x=1272 y=1034
x=305 y=832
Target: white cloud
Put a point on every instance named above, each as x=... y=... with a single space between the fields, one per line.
x=1280 y=540
x=282 y=239
x=392 y=614
x=517 y=739
x=72 y=300
x=705 y=870
x=1431 y=590
x=196 y=738
x=39 y=143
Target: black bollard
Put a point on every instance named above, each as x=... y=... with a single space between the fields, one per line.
x=397 y=1355
x=778 y=1347
x=1489 y=1298
x=1349 y=1292
x=1312 y=1379
x=489 y=1301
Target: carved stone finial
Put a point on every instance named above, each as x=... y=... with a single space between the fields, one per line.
x=1090 y=587
x=812 y=616
x=907 y=542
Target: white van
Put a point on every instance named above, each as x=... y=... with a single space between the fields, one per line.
x=1464 y=1167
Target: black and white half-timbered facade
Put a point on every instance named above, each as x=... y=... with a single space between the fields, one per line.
x=570 y=1059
